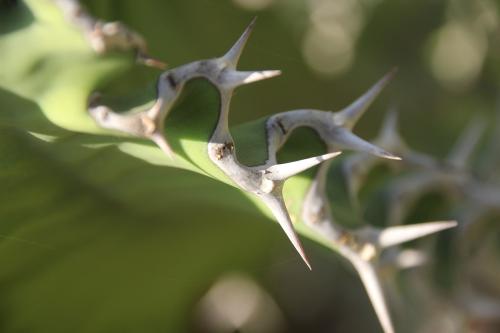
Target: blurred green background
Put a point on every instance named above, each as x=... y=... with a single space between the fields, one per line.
x=91 y=241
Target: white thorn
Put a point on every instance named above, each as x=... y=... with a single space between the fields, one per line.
x=372 y=286
x=233 y=55
x=127 y=123
x=389 y=137
x=410 y=258
x=131 y=124
x=348 y=116
x=145 y=59
x=321 y=177
x=357 y=166
x=162 y=142
x=287 y=170
x=348 y=140
x=404 y=233
x=464 y=147
x=233 y=79
x=316 y=211
x=278 y=208
x=391 y=122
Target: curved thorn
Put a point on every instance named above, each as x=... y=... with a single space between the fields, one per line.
x=348 y=116
x=404 y=233
x=278 y=208
x=287 y=170
x=233 y=55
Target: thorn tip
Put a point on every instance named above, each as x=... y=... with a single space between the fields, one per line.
x=233 y=55
x=162 y=142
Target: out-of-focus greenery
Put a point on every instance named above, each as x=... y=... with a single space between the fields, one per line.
x=92 y=240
